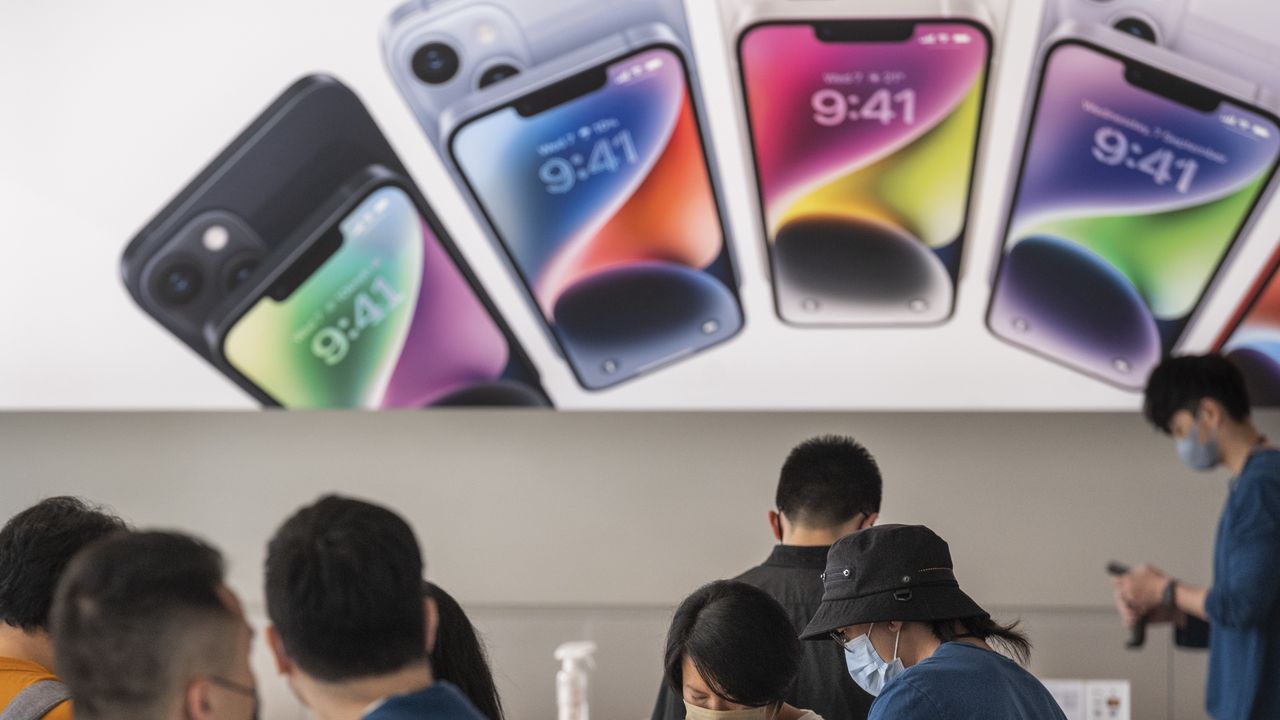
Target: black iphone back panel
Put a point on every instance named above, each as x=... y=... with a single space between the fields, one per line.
x=294 y=156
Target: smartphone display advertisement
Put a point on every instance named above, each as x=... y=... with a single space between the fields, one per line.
x=1134 y=187
x=599 y=191
x=864 y=136
x=386 y=320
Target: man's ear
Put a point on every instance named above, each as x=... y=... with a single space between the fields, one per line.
x=775 y=524
x=196 y=702
x=869 y=521
x=284 y=665
x=432 y=613
x=1211 y=412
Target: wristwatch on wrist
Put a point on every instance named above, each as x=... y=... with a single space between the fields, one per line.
x=1168 y=600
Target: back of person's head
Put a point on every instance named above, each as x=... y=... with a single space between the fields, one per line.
x=739 y=643
x=344 y=591
x=1181 y=383
x=458 y=655
x=144 y=629
x=36 y=545
x=828 y=481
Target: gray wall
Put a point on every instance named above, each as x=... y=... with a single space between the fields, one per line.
x=551 y=527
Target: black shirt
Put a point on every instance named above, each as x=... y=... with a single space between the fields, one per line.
x=793 y=576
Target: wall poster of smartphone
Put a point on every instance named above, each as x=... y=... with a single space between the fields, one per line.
x=213 y=236
x=374 y=309
x=864 y=134
x=1135 y=185
x=599 y=190
x=1251 y=338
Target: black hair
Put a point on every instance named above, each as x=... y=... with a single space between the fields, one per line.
x=36 y=545
x=344 y=590
x=1180 y=383
x=740 y=640
x=1007 y=638
x=459 y=656
x=136 y=616
x=826 y=481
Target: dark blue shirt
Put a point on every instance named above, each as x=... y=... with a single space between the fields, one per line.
x=441 y=701
x=1244 y=603
x=965 y=682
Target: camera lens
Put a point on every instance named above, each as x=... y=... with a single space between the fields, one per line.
x=177 y=284
x=239 y=272
x=498 y=73
x=1136 y=27
x=435 y=63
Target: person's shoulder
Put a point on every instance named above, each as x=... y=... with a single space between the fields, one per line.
x=440 y=701
x=906 y=696
x=62 y=711
x=1260 y=479
x=1264 y=464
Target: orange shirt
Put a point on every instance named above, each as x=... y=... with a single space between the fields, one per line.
x=18 y=674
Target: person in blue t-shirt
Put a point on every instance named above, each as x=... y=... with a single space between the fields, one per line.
x=917 y=642
x=350 y=627
x=1203 y=403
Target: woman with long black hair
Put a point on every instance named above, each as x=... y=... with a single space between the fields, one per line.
x=732 y=654
x=458 y=655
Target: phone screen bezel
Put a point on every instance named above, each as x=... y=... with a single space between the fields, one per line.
x=763 y=212
x=515 y=351
x=515 y=106
x=1129 y=64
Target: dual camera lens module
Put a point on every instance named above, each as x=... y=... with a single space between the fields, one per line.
x=437 y=63
x=181 y=281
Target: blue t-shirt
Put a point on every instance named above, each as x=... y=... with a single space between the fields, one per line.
x=1244 y=603
x=965 y=682
x=441 y=701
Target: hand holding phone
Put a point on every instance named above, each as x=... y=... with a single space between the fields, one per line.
x=1138 y=633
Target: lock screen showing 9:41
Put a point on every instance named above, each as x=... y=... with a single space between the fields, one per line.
x=1131 y=195
x=388 y=321
x=604 y=203
x=864 y=149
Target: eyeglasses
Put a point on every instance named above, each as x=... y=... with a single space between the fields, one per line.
x=840 y=639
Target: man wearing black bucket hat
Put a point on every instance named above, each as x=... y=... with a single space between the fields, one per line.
x=891 y=592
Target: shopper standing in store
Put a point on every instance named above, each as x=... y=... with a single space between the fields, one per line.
x=36 y=546
x=1201 y=402
x=829 y=487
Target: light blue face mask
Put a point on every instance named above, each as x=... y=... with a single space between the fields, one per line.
x=1198 y=455
x=867 y=668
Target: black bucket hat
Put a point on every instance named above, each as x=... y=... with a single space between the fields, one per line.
x=891 y=572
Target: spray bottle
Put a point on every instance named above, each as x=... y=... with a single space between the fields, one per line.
x=571 y=682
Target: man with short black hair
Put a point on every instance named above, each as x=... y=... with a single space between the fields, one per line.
x=35 y=547
x=1202 y=403
x=350 y=626
x=145 y=628
x=829 y=487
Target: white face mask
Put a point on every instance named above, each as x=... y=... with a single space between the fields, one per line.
x=867 y=668
x=693 y=712
x=1196 y=454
